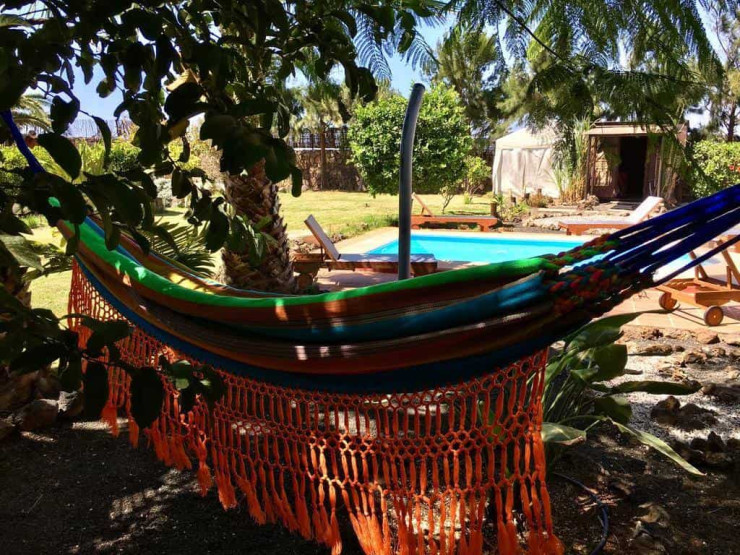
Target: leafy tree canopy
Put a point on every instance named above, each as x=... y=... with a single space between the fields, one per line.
x=224 y=60
x=442 y=142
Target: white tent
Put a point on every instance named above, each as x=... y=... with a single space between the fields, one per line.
x=523 y=163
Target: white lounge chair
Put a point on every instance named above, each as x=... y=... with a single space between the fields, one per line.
x=577 y=226
x=421 y=264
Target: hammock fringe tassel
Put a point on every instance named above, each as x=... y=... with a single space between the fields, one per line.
x=457 y=469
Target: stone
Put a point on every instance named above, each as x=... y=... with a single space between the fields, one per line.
x=666 y=411
x=733 y=353
x=706 y=337
x=692 y=417
x=733 y=444
x=731 y=339
x=48 y=386
x=678 y=348
x=17 y=391
x=71 y=403
x=723 y=393
x=714 y=351
x=641 y=332
x=720 y=461
x=6 y=428
x=715 y=443
x=693 y=357
x=39 y=413
x=675 y=333
x=700 y=444
x=650 y=349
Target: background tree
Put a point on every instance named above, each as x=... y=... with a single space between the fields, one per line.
x=442 y=142
x=723 y=96
x=224 y=61
x=472 y=62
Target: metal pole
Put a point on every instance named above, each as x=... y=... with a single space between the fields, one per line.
x=404 y=187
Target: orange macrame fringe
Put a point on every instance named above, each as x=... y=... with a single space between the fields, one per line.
x=416 y=472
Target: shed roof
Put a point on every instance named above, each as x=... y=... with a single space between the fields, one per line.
x=612 y=129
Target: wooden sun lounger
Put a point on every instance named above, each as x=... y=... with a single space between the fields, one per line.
x=484 y=223
x=578 y=226
x=421 y=264
x=731 y=234
x=703 y=290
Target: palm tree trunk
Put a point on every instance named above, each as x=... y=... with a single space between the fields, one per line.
x=255 y=197
x=732 y=123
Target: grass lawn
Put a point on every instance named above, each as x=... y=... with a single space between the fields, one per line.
x=340 y=213
x=350 y=214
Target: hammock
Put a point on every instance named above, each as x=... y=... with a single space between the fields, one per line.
x=414 y=407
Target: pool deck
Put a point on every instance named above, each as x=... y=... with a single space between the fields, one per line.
x=686 y=317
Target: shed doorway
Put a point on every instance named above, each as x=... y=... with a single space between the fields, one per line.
x=631 y=171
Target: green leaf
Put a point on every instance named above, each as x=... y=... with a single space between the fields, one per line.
x=105 y=333
x=657 y=388
x=611 y=361
x=63 y=113
x=561 y=435
x=599 y=333
x=107 y=138
x=37 y=356
x=71 y=377
x=22 y=250
x=296 y=178
x=63 y=152
x=180 y=102
x=615 y=407
x=147 y=395
x=660 y=446
x=95 y=384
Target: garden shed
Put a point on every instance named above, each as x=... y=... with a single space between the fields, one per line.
x=523 y=163
x=630 y=161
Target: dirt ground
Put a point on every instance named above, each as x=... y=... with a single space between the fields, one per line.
x=75 y=489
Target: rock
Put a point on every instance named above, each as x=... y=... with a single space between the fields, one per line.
x=623 y=487
x=700 y=444
x=733 y=444
x=706 y=337
x=71 y=403
x=632 y=333
x=731 y=339
x=723 y=393
x=714 y=351
x=719 y=460
x=715 y=443
x=677 y=348
x=36 y=414
x=650 y=349
x=693 y=357
x=48 y=386
x=666 y=411
x=674 y=333
x=6 y=428
x=693 y=456
x=17 y=391
x=691 y=417
x=733 y=353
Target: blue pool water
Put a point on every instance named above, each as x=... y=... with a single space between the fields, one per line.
x=479 y=249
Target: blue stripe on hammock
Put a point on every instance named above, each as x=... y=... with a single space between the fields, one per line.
x=413 y=378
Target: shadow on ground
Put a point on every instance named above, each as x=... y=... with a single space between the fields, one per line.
x=78 y=490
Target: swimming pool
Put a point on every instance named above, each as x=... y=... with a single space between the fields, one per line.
x=490 y=248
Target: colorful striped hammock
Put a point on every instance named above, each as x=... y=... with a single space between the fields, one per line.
x=412 y=407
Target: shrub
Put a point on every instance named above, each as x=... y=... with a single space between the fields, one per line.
x=442 y=142
x=718 y=167
x=477 y=175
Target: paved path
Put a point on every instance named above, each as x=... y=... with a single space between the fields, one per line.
x=686 y=317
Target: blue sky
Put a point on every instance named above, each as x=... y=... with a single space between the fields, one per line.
x=403 y=77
